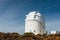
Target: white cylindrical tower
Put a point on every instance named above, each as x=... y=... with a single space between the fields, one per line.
x=35 y=23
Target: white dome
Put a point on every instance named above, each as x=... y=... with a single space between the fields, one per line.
x=33 y=15
x=34 y=23
x=39 y=14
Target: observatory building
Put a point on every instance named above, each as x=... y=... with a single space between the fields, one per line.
x=35 y=23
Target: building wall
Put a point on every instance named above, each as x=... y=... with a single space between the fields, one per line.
x=34 y=23
x=55 y=32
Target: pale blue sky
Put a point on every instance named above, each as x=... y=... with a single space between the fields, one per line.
x=12 y=14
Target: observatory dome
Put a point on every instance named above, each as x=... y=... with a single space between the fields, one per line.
x=35 y=23
x=35 y=13
x=33 y=16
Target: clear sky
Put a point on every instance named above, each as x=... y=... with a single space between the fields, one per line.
x=12 y=14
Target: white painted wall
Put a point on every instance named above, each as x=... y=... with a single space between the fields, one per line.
x=35 y=23
x=55 y=32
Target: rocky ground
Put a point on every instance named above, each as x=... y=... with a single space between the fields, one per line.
x=28 y=36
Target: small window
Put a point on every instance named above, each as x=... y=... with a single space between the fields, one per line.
x=40 y=23
x=42 y=26
x=40 y=31
x=34 y=30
